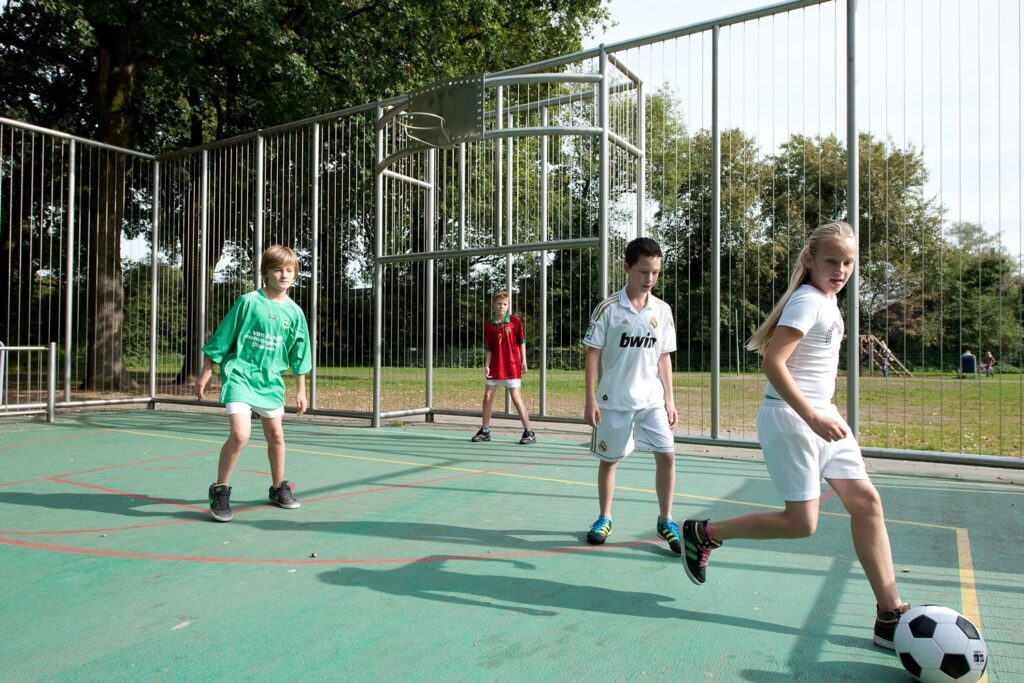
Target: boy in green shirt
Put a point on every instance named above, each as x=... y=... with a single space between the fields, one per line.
x=264 y=334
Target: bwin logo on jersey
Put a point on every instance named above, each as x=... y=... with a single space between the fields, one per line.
x=645 y=342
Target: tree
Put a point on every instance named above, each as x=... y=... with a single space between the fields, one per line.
x=157 y=76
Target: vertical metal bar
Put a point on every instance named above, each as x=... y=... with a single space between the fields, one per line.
x=51 y=383
x=499 y=178
x=716 y=238
x=641 y=162
x=378 y=267
x=257 y=255
x=602 y=218
x=69 y=300
x=204 y=219
x=543 y=264
x=3 y=373
x=509 y=153
x=154 y=264
x=462 y=195
x=428 y=295
x=853 y=217
x=314 y=295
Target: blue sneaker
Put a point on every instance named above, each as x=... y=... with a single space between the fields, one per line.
x=669 y=530
x=599 y=531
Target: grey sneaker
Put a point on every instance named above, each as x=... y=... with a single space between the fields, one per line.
x=483 y=435
x=220 y=502
x=283 y=496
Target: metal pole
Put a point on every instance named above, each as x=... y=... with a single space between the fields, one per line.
x=154 y=265
x=602 y=218
x=508 y=219
x=3 y=373
x=314 y=295
x=428 y=295
x=462 y=195
x=543 y=264
x=204 y=218
x=378 y=269
x=257 y=256
x=51 y=383
x=499 y=179
x=641 y=162
x=716 y=239
x=853 y=217
x=69 y=300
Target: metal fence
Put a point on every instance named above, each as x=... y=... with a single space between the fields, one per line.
x=726 y=141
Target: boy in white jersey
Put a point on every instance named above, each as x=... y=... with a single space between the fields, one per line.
x=802 y=435
x=629 y=340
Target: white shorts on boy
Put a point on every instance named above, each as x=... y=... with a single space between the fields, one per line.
x=620 y=432
x=240 y=408
x=507 y=383
x=797 y=458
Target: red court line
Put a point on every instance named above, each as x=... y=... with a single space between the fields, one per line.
x=132 y=527
x=828 y=494
x=128 y=494
x=110 y=467
x=384 y=560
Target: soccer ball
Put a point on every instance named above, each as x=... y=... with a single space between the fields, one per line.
x=937 y=644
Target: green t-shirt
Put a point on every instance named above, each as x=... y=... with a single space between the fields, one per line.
x=257 y=341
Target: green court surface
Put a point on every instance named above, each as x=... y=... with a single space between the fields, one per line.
x=418 y=556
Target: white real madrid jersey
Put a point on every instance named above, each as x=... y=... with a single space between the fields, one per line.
x=631 y=344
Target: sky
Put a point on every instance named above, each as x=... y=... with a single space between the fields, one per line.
x=942 y=76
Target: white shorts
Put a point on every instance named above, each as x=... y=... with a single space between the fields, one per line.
x=620 y=432
x=507 y=383
x=797 y=458
x=240 y=408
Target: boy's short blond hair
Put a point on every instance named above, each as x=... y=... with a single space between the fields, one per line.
x=500 y=294
x=276 y=256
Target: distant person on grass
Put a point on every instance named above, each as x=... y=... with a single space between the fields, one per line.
x=802 y=435
x=988 y=363
x=264 y=334
x=504 y=364
x=629 y=340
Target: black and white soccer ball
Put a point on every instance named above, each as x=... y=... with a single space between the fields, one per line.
x=938 y=644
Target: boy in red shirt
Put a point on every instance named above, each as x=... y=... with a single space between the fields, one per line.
x=504 y=364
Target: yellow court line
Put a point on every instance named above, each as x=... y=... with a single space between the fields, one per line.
x=968 y=589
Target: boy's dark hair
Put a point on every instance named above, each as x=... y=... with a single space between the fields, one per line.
x=642 y=246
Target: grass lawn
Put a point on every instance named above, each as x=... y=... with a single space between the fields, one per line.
x=929 y=411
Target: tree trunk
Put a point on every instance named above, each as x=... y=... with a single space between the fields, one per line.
x=112 y=92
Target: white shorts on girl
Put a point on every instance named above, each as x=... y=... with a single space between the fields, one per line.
x=797 y=458
x=507 y=383
x=240 y=408
x=620 y=432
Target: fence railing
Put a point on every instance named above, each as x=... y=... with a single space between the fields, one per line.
x=725 y=140
x=28 y=387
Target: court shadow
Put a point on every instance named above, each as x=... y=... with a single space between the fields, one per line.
x=109 y=503
x=805 y=670
x=429 y=578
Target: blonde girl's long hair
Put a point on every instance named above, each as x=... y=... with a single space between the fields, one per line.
x=800 y=275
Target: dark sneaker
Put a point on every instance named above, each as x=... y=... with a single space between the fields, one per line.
x=528 y=437
x=220 y=502
x=669 y=530
x=697 y=549
x=885 y=625
x=483 y=435
x=283 y=496
x=599 y=531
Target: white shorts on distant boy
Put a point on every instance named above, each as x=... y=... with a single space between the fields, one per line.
x=797 y=458
x=620 y=432
x=240 y=408
x=507 y=383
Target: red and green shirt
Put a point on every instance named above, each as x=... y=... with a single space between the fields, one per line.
x=502 y=338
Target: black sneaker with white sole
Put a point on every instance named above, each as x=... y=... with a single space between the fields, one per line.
x=283 y=496
x=220 y=502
